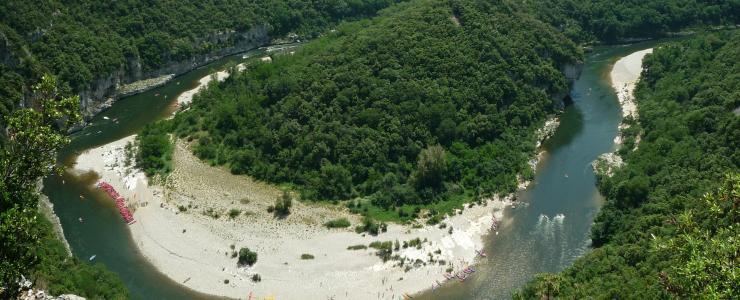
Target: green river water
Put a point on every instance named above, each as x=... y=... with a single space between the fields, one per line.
x=545 y=233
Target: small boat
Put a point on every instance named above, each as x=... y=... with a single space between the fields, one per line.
x=92 y=257
x=106 y=118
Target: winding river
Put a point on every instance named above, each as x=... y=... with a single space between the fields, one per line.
x=545 y=233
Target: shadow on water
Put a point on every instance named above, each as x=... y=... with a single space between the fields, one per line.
x=550 y=228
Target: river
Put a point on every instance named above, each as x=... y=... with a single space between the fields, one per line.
x=545 y=233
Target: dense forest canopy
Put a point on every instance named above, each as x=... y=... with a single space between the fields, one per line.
x=80 y=41
x=613 y=21
x=659 y=235
x=432 y=100
x=429 y=100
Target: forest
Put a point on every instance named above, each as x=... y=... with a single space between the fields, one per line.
x=606 y=21
x=428 y=104
x=429 y=101
x=80 y=41
x=669 y=226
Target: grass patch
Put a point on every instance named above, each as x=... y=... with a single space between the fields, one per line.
x=408 y=213
x=338 y=223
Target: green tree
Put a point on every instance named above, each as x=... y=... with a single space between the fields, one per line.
x=431 y=168
x=247 y=257
x=30 y=143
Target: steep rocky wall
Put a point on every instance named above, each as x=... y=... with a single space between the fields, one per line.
x=572 y=72
x=103 y=91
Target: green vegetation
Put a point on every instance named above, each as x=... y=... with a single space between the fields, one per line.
x=154 y=154
x=421 y=105
x=247 y=257
x=233 y=213
x=306 y=256
x=670 y=225
x=357 y=247
x=370 y=226
x=28 y=147
x=282 y=205
x=613 y=21
x=83 y=40
x=338 y=223
x=58 y=273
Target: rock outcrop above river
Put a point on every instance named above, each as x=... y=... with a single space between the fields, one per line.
x=106 y=89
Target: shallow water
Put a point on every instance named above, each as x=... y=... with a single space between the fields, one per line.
x=545 y=235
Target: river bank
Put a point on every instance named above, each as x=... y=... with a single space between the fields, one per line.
x=183 y=228
x=623 y=76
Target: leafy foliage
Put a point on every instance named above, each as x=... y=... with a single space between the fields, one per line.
x=659 y=235
x=28 y=150
x=350 y=114
x=338 y=223
x=283 y=204
x=247 y=257
x=84 y=40
x=154 y=154
x=613 y=21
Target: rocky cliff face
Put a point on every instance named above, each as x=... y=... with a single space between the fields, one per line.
x=104 y=90
x=572 y=72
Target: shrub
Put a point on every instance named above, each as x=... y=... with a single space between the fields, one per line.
x=247 y=257
x=369 y=226
x=357 y=247
x=256 y=278
x=283 y=204
x=306 y=256
x=233 y=213
x=338 y=223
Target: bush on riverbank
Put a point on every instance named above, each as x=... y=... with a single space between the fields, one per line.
x=154 y=151
x=247 y=257
x=338 y=223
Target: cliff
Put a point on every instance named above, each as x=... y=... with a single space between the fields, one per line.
x=106 y=89
x=572 y=72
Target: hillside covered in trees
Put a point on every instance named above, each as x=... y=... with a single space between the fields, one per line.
x=670 y=224
x=80 y=41
x=430 y=100
x=614 y=21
